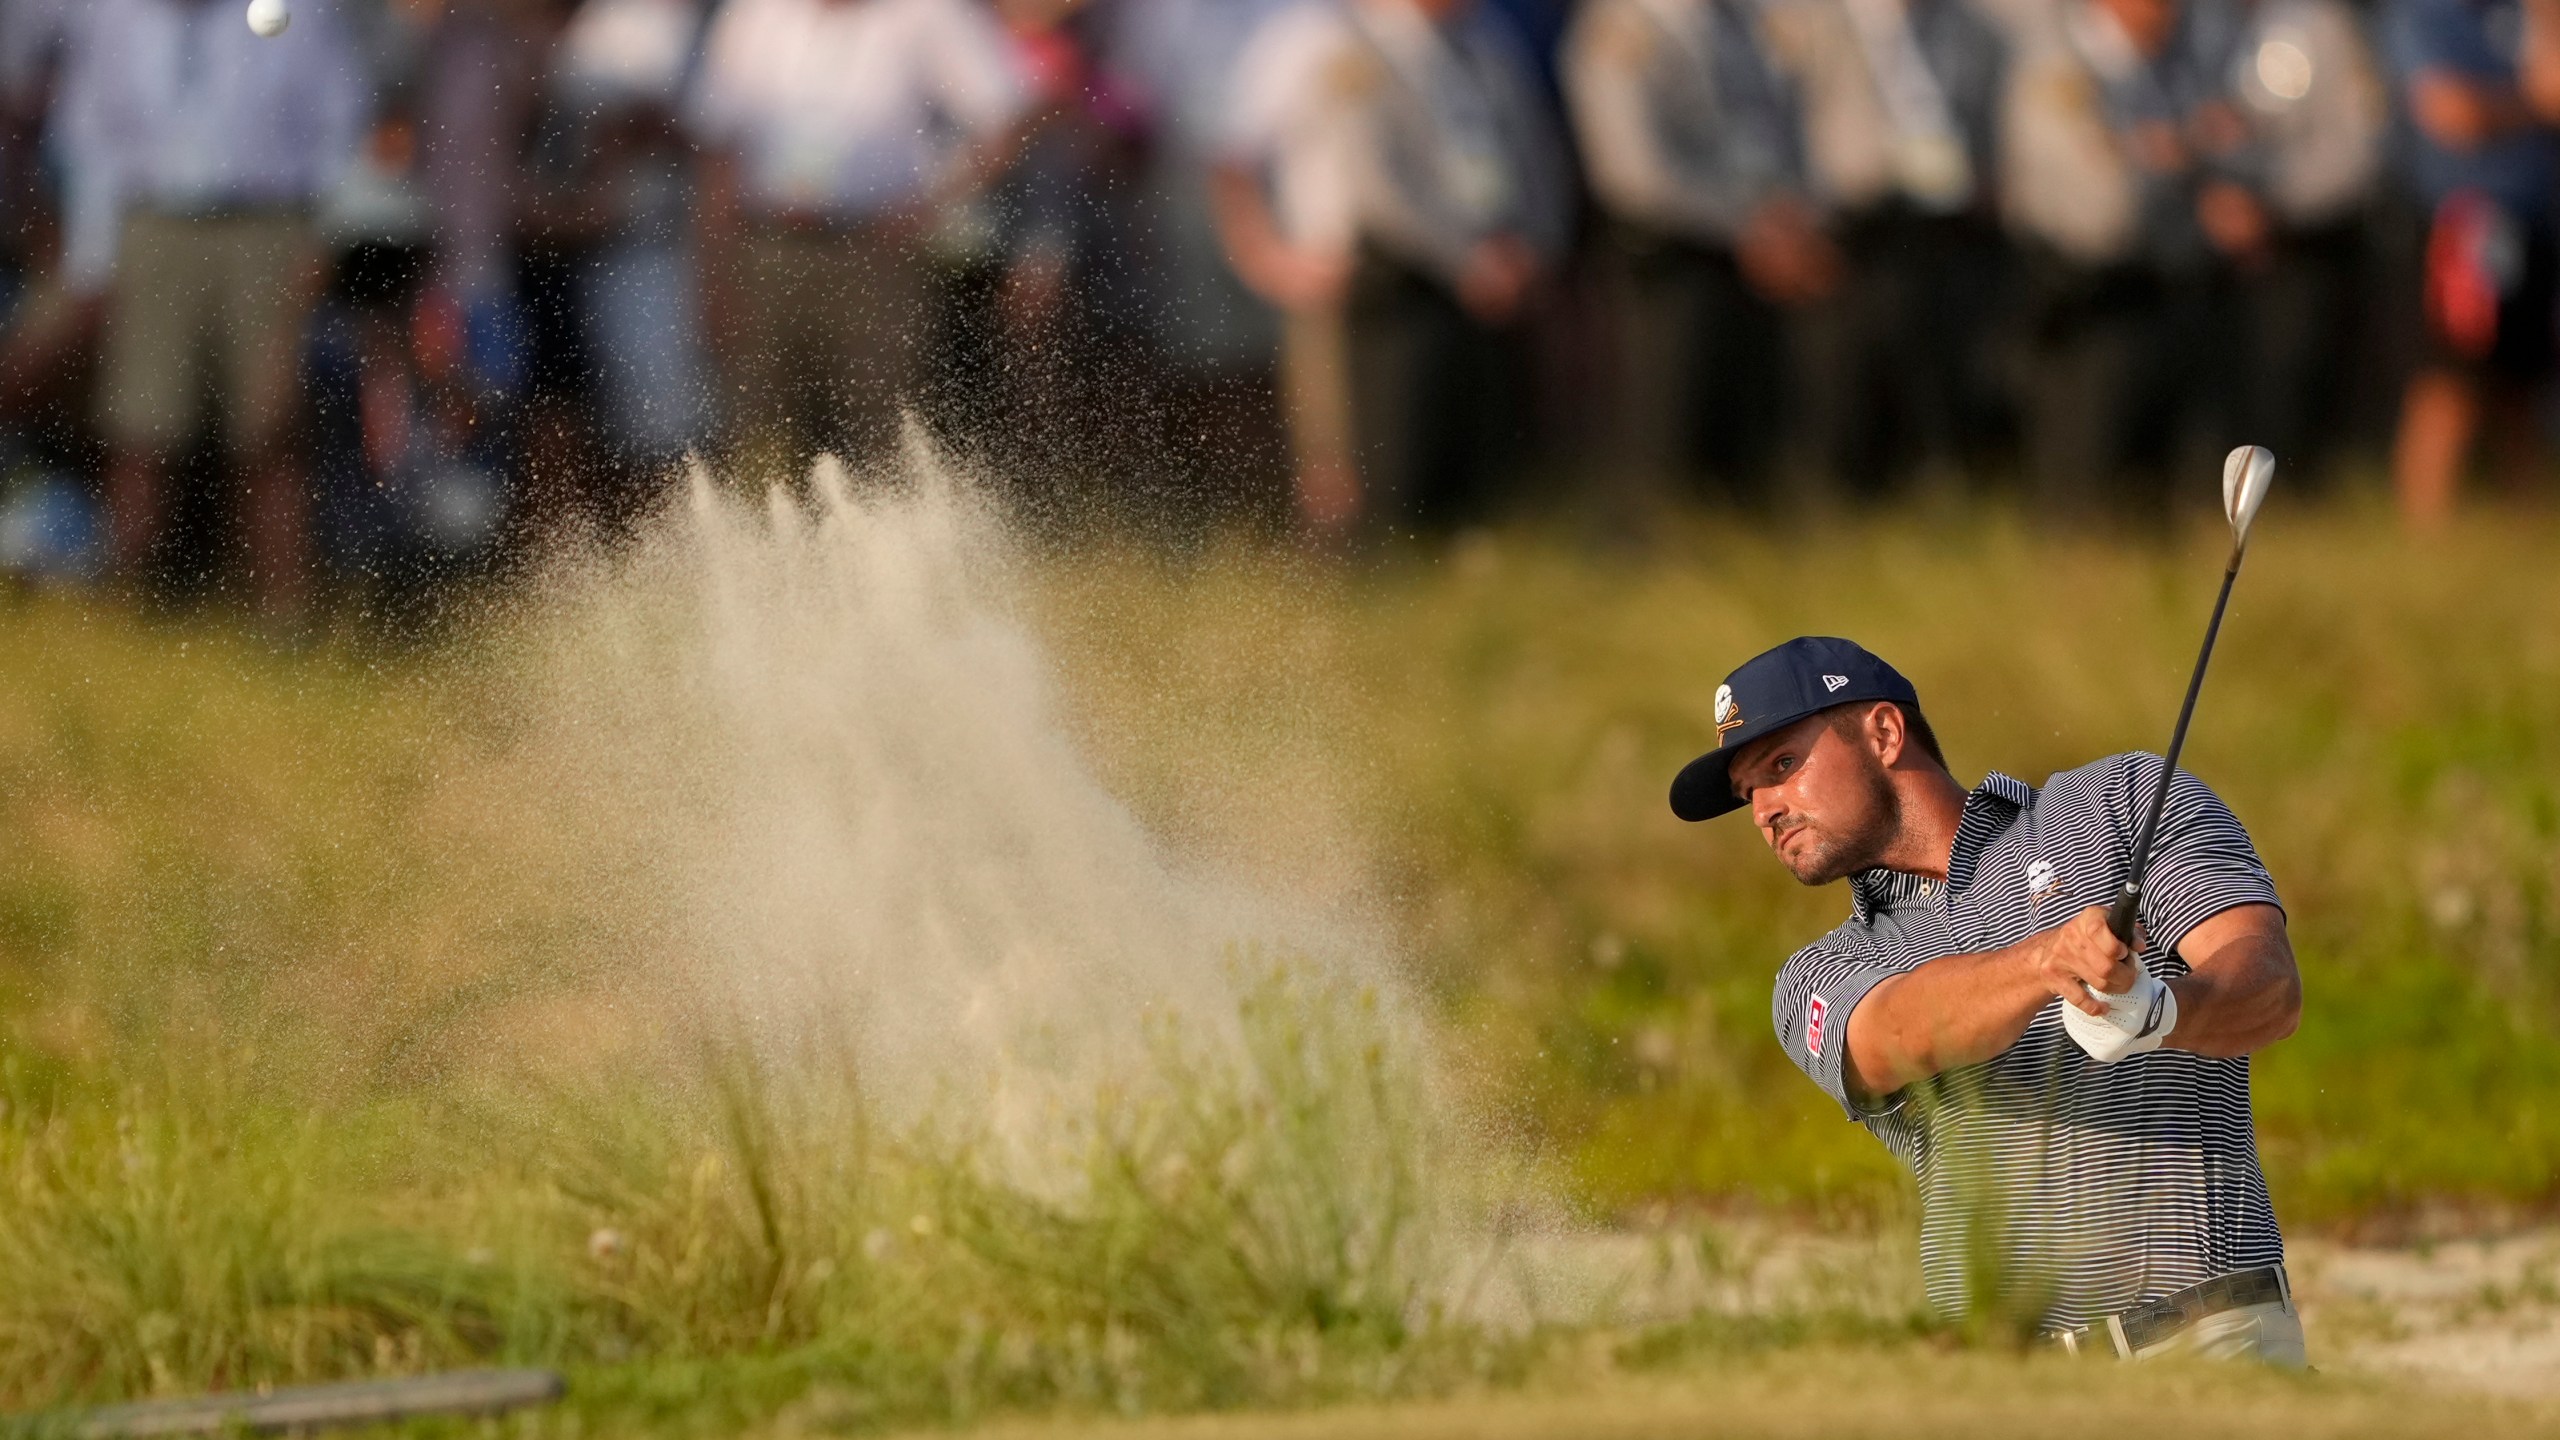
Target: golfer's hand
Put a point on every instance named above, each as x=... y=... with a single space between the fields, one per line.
x=2080 y=955
x=2129 y=1024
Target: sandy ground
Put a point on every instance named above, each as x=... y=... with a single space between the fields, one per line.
x=2455 y=1340
x=2475 y=1314
x=2478 y=1316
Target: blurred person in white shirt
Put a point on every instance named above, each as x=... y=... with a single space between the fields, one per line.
x=196 y=152
x=2134 y=186
x=836 y=131
x=1901 y=103
x=1393 y=184
x=1692 y=131
x=2311 y=90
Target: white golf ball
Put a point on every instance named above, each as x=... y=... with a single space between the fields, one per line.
x=269 y=17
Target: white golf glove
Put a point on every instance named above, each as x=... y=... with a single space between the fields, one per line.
x=2137 y=1020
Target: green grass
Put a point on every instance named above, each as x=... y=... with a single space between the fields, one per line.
x=1506 y=721
x=1235 y=1228
x=317 y=1058
x=1908 y=1394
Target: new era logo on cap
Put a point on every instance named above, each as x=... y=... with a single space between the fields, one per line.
x=1833 y=683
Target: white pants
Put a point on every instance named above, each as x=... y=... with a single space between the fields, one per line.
x=2270 y=1334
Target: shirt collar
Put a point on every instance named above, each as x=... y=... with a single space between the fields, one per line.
x=1988 y=810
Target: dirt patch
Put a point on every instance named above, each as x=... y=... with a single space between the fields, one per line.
x=2477 y=1314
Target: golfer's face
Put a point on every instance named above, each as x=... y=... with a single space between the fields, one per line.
x=1814 y=796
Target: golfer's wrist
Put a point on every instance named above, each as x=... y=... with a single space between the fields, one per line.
x=2194 y=994
x=2035 y=979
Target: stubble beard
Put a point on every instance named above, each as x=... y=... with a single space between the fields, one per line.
x=1827 y=855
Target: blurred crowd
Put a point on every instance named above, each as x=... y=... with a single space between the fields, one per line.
x=421 y=283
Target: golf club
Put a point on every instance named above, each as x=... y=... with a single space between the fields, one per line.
x=2246 y=474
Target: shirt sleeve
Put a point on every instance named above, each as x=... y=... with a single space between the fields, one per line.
x=1273 y=79
x=90 y=146
x=340 y=97
x=1618 y=72
x=2201 y=861
x=1817 y=989
x=977 y=81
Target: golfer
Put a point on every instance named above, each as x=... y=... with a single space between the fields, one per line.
x=2096 y=1176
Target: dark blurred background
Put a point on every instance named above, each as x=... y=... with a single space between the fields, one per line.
x=420 y=287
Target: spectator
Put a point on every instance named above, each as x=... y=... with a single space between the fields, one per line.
x=45 y=333
x=836 y=129
x=407 y=439
x=2481 y=79
x=1062 y=398
x=1692 y=137
x=1210 y=342
x=197 y=152
x=1416 y=197
x=1901 y=113
x=2307 y=85
x=2128 y=169
x=616 y=208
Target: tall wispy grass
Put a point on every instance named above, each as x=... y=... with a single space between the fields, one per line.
x=327 y=1050
x=1227 y=1226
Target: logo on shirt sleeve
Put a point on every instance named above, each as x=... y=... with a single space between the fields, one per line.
x=1814 y=1011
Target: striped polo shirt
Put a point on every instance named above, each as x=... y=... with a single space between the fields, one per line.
x=2050 y=1183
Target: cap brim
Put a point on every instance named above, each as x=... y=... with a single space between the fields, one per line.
x=1703 y=789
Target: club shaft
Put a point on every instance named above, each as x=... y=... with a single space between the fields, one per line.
x=2128 y=900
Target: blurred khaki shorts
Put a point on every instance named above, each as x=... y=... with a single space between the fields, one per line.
x=200 y=299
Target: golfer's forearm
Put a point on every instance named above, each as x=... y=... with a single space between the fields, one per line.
x=2245 y=998
x=1955 y=1011
x=1247 y=230
x=2242 y=990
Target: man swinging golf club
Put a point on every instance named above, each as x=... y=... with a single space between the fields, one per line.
x=2072 y=1094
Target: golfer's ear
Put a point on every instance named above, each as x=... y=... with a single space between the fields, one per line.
x=1891 y=731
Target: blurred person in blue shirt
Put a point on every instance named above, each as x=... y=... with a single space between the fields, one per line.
x=406 y=440
x=837 y=132
x=194 y=154
x=46 y=334
x=612 y=225
x=1047 y=350
x=2480 y=80
x=1211 y=342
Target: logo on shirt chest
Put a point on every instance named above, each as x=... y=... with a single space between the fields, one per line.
x=2042 y=880
x=1814 y=1011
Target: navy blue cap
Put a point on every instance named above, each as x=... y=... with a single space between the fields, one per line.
x=1771 y=691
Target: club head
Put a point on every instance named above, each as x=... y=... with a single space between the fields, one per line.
x=2246 y=474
